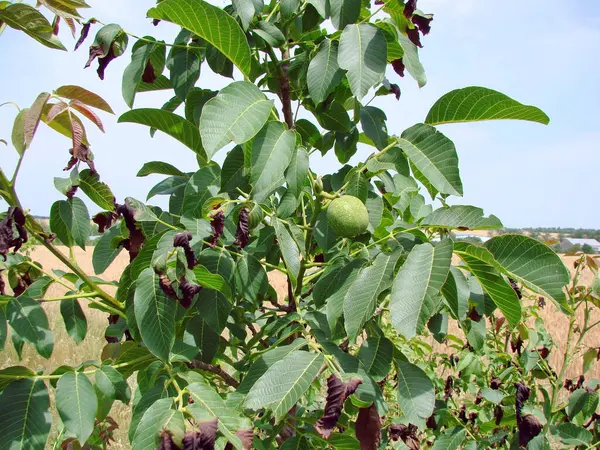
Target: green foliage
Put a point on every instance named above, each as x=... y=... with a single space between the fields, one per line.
x=371 y=270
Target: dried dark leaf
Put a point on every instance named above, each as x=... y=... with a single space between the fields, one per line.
x=166 y=442
x=337 y=393
x=217 y=224
x=398 y=66
x=149 y=76
x=448 y=387
x=479 y=397
x=414 y=36
x=498 y=414
x=368 y=428
x=431 y=423
x=166 y=286
x=396 y=90
x=204 y=438
x=246 y=436
x=529 y=427
x=242 y=236
x=2 y=285
x=95 y=52
x=541 y=302
x=81 y=154
x=521 y=397
x=517 y=346
x=189 y=291
x=104 y=220
x=474 y=315
x=183 y=240
x=84 y=33
x=462 y=414
x=104 y=62
x=408 y=434
x=155 y=22
x=71 y=192
x=136 y=238
x=516 y=288
x=423 y=22
x=495 y=383
x=544 y=352
x=13 y=224
x=409 y=8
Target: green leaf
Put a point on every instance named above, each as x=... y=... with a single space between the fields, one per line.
x=265 y=361
x=308 y=131
x=25 y=417
x=358 y=185
x=336 y=295
x=214 y=308
x=76 y=402
x=155 y=314
x=475 y=103
x=296 y=174
x=343 y=12
x=233 y=173
x=589 y=358
x=157 y=417
x=170 y=123
x=299 y=443
x=159 y=167
x=96 y=190
x=533 y=263
x=288 y=8
x=282 y=385
x=416 y=395
x=451 y=439
x=84 y=96
x=361 y=299
x=33 y=116
x=270 y=33
x=18 y=131
x=334 y=118
x=434 y=155
x=3 y=330
x=203 y=185
x=417 y=284
x=160 y=84
x=245 y=11
x=483 y=266
x=411 y=60
x=185 y=68
x=209 y=404
x=372 y=121
x=362 y=54
x=29 y=321
x=212 y=24
x=29 y=20
x=74 y=318
x=462 y=217
x=132 y=75
x=324 y=234
x=70 y=220
x=250 y=277
x=236 y=114
x=324 y=73
x=572 y=435
x=289 y=249
x=376 y=354
x=202 y=340
x=456 y=292
x=272 y=151
x=195 y=101
x=212 y=281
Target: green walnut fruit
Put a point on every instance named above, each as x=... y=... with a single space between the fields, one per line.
x=347 y=216
x=596 y=286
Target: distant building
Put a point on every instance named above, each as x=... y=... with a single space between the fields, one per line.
x=567 y=243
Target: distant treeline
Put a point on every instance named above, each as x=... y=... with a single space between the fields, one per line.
x=578 y=233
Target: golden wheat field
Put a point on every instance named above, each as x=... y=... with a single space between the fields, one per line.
x=67 y=352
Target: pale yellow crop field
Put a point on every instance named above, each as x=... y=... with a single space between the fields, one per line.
x=67 y=352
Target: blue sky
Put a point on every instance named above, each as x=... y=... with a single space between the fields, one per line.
x=540 y=52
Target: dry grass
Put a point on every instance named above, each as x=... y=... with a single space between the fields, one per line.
x=67 y=352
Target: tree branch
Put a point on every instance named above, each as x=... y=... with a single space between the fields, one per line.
x=217 y=370
x=284 y=87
